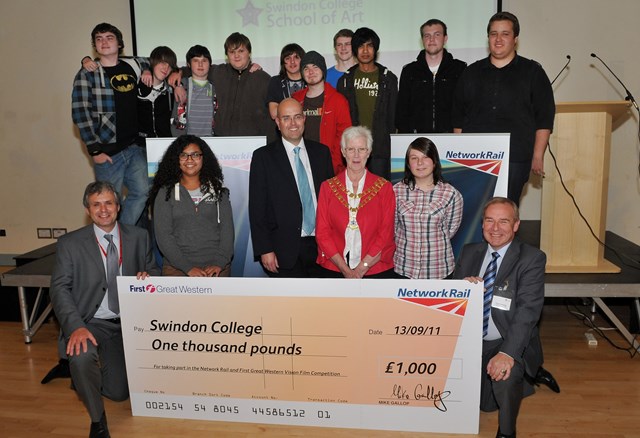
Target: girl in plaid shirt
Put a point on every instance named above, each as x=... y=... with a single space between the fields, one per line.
x=428 y=214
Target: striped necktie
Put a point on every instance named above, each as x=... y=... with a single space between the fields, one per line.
x=489 y=280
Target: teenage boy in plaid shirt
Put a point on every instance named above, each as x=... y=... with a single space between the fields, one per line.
x=104 y=108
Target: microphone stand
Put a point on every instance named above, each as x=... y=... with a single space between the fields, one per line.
x=562 y=69
x=629 y=96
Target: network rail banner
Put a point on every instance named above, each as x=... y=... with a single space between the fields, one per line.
x=368 y=354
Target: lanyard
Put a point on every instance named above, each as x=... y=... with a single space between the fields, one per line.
x=119 y=253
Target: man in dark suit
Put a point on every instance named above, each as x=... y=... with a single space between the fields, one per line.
x=84 y=297
x=284 y=183
x=514 y=296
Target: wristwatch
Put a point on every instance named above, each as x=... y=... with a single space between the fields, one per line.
x=365 y=264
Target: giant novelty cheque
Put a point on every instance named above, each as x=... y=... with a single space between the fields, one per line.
x=368 y=354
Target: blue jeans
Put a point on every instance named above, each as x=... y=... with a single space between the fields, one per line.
x=129 y=167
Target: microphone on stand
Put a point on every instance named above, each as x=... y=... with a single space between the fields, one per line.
x=563 y=69
x=629 y=95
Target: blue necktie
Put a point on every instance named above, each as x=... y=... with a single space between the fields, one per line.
x=489 y=280
x=113 y=268
x=308 y=209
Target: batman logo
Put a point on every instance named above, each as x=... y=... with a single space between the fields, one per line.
x=123 y=83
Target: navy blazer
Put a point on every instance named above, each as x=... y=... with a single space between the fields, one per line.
x=275 y=209
x=521 y=279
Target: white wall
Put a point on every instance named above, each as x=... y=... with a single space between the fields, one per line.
x=44 y=167
x=550 y=30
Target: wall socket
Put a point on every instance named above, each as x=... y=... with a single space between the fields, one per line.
x=57 y=232
x=3 y=232
x=44 y=233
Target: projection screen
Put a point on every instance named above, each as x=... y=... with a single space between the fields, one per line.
x=270 y=24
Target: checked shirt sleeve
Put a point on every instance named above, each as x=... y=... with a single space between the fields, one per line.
x=82 y=107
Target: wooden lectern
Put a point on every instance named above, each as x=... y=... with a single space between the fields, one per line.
x=581 y=142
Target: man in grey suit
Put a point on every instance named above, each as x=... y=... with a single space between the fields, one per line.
x=513 y=274
x=84 y=297
x=283 y=174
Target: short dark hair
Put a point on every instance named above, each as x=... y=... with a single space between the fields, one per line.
x=99 y=187
x=501 y=200
x=346 y=33
x=236 y=40
x=505 y=16
x=427 y=147
x=197 y=51
x=104 y=28
x=365 y=35
x=434 y=22
x=289 y=50
x=163 y=54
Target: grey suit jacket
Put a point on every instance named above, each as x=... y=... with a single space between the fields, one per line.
x=275 y=210
x=521 y=279
x=78 y=282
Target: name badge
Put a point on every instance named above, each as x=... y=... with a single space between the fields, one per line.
x=501 y=303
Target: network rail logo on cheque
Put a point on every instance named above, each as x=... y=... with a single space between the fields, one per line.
x=452 y=301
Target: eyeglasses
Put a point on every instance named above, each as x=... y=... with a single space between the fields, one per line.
x=195 y=156
x=353 y=151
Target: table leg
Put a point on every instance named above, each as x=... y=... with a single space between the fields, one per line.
x=619 y=325
x=24 y=314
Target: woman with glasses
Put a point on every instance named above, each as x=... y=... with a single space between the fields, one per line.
x=192 y=215
x=428 y=214
x=354 y=224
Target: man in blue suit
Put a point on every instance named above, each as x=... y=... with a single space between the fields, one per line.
x=84 y=297
x=513 y=274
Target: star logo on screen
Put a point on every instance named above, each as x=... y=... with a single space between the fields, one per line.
x=249 y=14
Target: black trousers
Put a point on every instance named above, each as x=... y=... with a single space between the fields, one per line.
x=519 y=173
x=305 y=265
